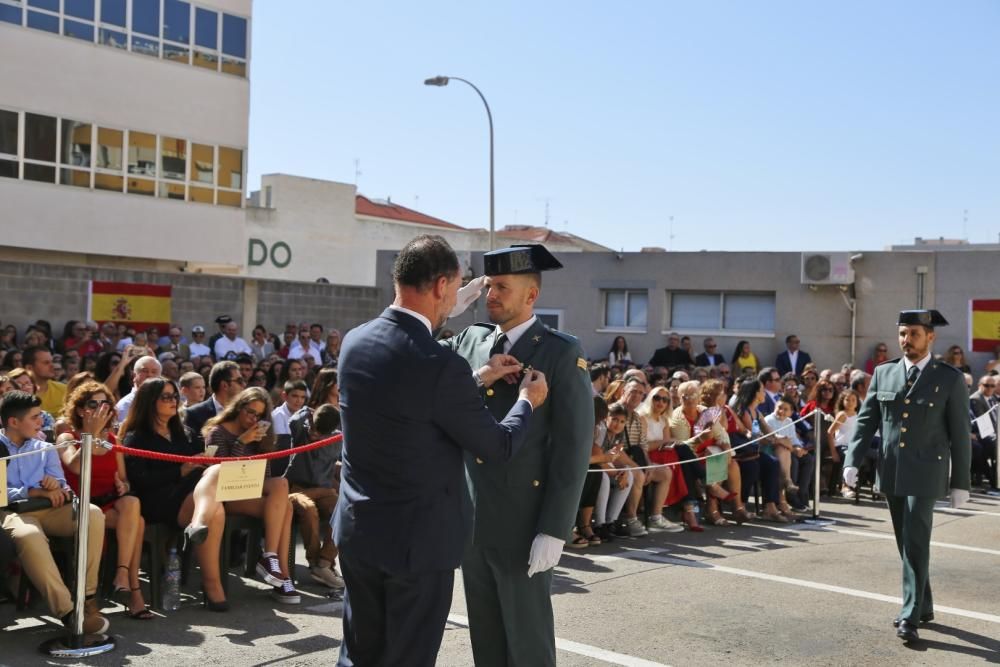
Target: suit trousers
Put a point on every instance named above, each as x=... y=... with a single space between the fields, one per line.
x=29 y=531
x=912 y=519
x=510 y=615
x=392 y=619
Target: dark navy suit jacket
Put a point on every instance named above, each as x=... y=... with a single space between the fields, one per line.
x=784 y=363
x=195 y=418
x=409 y=407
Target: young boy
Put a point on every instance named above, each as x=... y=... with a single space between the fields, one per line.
x=294 y=397
x=41 y=476
x=313 y=483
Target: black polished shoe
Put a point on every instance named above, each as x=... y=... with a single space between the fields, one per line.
x=924 y=620
x=907 y=631
x=211 y=605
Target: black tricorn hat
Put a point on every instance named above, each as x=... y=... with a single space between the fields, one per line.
x=223 y=319
x=527 y=258
x=927 y=318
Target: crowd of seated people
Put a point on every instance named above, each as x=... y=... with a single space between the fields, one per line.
x=755 y=418
x=169 y=394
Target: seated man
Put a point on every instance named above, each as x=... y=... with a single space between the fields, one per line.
x=313 y=483
x=41 y=476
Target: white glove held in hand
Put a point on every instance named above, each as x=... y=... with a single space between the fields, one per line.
x=468 y=294
x=851 y=476
x=545 y=553
x=958 y=498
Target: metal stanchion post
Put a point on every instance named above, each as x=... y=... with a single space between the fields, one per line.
x=77 y=644
x=815 y=520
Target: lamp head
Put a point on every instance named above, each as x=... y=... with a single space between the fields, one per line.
x=436 y=81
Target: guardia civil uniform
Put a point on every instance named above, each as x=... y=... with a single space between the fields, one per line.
x=537 y=491
x=924 y=419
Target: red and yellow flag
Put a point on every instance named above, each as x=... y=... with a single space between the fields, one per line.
x=136 y=304
x=984 y=324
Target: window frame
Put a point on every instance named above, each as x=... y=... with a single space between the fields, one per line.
x=720 y=330
x=627 y=328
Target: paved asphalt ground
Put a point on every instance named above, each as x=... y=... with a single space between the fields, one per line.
x=758 y=594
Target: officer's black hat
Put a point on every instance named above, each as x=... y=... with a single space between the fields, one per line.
x=927 y=318
x=223 y=319
x=527 y=258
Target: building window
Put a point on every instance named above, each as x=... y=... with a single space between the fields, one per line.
x=146 y=17
x=79 y=154
x=234 y=45
x=625 y=309
x=44 y=21
x=722 y=311
x=10 y=13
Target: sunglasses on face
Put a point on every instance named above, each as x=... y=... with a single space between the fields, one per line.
x=238 y=380
x=93 y=405
x=826 y=390
x=168 y=398
x=660 y=398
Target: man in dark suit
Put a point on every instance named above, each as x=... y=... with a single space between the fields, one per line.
x=711 y=356
x=984 y=400
x=921 y=406
x=672 y=355
x=792 y=360
x=409 y=407
x=525 y=510
x=770 y=379
x=226 y=383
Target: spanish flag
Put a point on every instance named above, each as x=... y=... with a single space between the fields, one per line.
x=984 y=324
x=135 y=304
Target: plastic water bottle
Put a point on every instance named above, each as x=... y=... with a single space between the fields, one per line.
x=172 y=582
x=755 y=429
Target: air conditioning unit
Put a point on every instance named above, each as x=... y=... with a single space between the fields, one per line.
x=827 y=268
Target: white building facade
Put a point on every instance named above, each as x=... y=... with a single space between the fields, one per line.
x=123 y=131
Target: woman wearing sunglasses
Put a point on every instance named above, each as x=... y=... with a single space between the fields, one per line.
x=89 y=409
x=240 y=430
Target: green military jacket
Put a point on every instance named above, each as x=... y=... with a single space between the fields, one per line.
x=538 y=491
x=923 y=430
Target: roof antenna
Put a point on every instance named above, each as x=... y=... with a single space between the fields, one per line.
x=357 y=170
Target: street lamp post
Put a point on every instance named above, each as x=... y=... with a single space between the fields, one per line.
x=443 y=81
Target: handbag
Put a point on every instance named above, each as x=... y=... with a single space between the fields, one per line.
x=635 y=452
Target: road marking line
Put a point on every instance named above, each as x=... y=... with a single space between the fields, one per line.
x=883 y=536
x=582 y=649
x=951 y=510
x=853 y=592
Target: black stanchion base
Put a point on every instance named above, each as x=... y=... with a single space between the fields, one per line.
x=77 y=647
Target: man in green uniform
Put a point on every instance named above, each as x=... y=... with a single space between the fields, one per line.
x=525 y=508
x=922 y=407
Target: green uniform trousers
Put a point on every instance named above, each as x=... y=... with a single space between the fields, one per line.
x=510 y=614
x=912 y=519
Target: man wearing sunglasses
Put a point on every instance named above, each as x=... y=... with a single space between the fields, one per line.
x=983 y=400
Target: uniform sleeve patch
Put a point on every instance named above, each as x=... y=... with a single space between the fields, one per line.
x=581 y=362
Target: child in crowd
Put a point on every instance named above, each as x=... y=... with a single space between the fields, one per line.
x=293 y=396
x=616 y=484
x=313 y=484
x=785 y=442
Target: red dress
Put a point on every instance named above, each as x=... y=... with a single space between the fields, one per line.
x=102 y=475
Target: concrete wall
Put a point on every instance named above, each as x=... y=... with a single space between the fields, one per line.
x=885 y=283
x=59 y=293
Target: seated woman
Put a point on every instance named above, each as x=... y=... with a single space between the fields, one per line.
x=744 y=361
x=89 y=409
x=656 y=410
x=842 y=430
x=619 y=355
x=755 y=465
x=584 y=534
x=824 y=398
x=716 y=417
x=175 y=493
x=22 y=381
x=240 y=430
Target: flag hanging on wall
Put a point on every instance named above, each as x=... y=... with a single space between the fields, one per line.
x=984 y=324
x=137 y=305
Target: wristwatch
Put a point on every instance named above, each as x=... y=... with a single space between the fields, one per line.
x=478 y=380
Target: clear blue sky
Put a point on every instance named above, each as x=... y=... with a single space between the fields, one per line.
x=771 y=125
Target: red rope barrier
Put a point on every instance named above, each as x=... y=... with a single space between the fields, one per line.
x=210 y=460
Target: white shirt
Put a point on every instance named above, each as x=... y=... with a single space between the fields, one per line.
x=921 y=365
x=279 y=418
x=123 y=406
x=295 y=351
x=224 y=346
x=199 y=350
x=792 y=358
x=413 y=313
x=783 y=428
x=219 y=407
x=515 y=334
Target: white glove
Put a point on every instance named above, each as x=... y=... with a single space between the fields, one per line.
x=545 y=553
x=958 y=498
x=851 y=476
x=468 y=294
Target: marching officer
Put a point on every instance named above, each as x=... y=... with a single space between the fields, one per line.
x=922 y=408
x=525 y=508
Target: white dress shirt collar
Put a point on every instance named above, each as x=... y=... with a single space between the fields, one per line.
x=515 y=334
x=413 y=313
x=921 y=365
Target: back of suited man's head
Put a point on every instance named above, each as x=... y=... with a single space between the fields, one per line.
x=422 y=261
